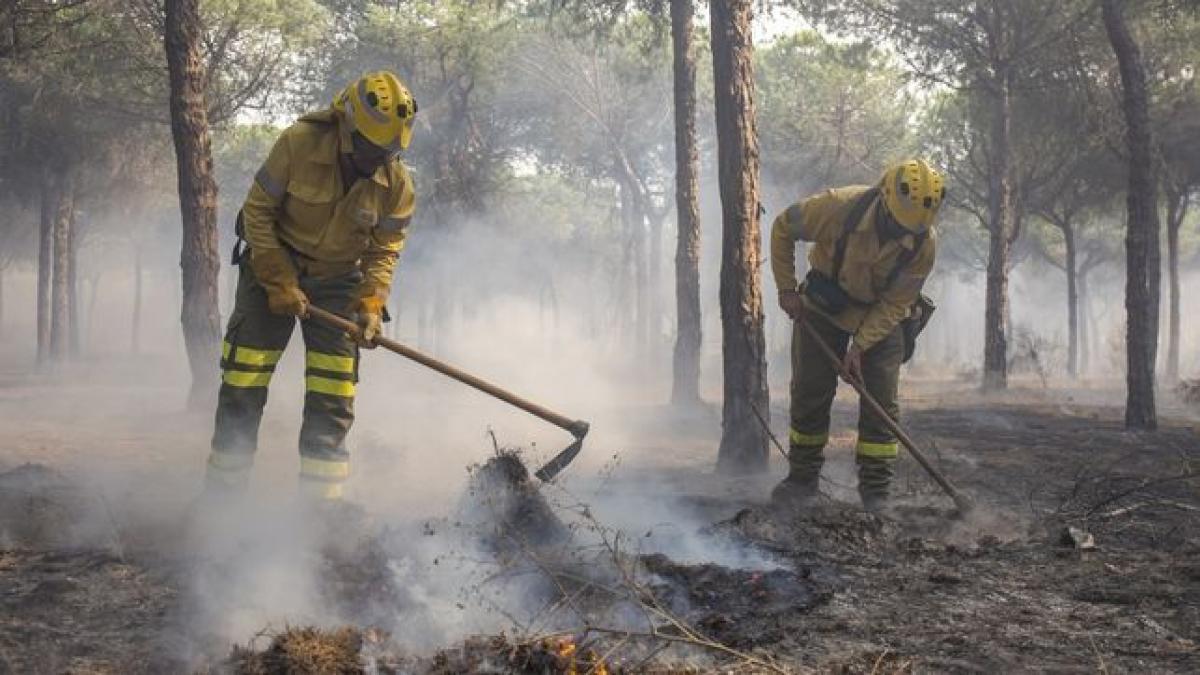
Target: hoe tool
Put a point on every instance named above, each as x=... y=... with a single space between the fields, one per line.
x=576 y=428
x=961 y=500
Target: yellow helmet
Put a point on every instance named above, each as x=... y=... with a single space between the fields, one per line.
x=379 y=107
x=913 y=192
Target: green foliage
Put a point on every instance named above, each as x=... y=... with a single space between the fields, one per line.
x=238 y=152
x=453 y=56
x=598 y=104
x=830 y=113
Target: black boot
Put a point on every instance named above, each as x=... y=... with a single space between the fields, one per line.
x=874 y=502
x=874 y=482
x=795 y=490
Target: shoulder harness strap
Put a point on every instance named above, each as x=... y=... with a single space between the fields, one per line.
x=852 y=220
x=906 y=256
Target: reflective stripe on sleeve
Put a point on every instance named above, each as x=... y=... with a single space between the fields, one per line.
x=793 y=216
x=330 y=386
x=272 y=187
x=877 y=450
x=801 y=438
x=394 y=224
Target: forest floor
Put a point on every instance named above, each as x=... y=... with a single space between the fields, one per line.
x=92 y=583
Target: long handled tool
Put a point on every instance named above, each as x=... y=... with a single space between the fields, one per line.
x=961 y=500
x=576 y=428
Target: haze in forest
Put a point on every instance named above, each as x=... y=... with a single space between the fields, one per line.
x=558 y=247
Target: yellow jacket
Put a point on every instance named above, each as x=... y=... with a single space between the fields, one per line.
x=299 y=199
x=820 y=219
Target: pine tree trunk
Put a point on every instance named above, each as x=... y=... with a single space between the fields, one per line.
x=627 y=322
x=1 y=301
x=1141 y=236
x=93 y=296
x=641 y=273
x=654 y=300
x=1068 y=231
x=60 y=289
x=686 y=377
x=45 y=265
x=1001 y=226
x=199 y=259
x=1176 y=212
x=135 y=332
x=1085 y=330
x=743 y=440
x=73 y=284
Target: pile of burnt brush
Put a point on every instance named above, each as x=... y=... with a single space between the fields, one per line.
x=350 y=651
x=605 y=606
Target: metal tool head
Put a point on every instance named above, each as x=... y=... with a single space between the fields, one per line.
x=964 y=504
x=560 y=461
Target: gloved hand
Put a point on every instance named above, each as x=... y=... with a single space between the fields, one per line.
x=275 y=273
x=792 y=304
x=369 y=319
x=852 y=363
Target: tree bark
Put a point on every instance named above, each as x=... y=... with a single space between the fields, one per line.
x=45 y=266
x=688 y=337
x=1141 y=234
x=641 y=273
x=60 y=289
x=1001 y=228
x=199 y=259
x=743 y=440
x=654 y=299
x=1085 y=331
x=73 y=283
x=93 y=296
x=1177 y=203
x=1068 y=231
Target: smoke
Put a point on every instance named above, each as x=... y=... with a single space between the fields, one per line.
x=534 y=301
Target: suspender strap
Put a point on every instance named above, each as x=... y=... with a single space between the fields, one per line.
x=906 y=256
x=852 y=220
x=855 y=216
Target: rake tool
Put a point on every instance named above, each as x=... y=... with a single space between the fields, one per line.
x=577 y=428
x=961 y=500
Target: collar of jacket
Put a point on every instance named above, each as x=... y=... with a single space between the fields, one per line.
x=907 y=241
x=331 y=144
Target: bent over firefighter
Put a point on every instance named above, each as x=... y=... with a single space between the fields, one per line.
x=872 y=247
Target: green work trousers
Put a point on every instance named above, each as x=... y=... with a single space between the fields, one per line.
x=254 y=342
x=814 y=383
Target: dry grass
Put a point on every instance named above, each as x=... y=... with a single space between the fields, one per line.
x=303 y=650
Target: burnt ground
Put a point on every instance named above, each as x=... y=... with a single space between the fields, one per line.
x=919 y=590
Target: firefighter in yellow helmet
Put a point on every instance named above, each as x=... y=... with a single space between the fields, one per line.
x=325 y=221
x=871 y=249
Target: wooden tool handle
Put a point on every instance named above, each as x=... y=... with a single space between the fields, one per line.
x=963 y=502
x=577 y=428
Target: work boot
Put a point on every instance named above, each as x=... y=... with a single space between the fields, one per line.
x=874 y=481
x=804 y=473
x=874 y=502
x=796 y=490
x=334 y=521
